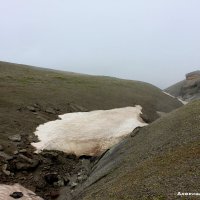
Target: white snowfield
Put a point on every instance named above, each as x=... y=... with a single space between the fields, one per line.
x=7 y=190
x=88 y=133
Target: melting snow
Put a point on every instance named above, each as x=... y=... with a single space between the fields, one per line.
x=179 y=98
x=7 y=190
x=88 y=133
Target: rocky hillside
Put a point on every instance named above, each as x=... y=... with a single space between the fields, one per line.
x=155 y=162
x=31 y=96
x=188 y=89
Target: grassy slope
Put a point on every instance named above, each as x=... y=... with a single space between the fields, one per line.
x=160 y=161
x=21 y=86
x=29 y=85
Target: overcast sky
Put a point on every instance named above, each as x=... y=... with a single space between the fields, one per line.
x=156 y=41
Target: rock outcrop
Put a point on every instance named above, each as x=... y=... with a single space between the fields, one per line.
x=188 y=89
x=193 y=75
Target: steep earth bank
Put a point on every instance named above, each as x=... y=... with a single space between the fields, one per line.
x=154 y=162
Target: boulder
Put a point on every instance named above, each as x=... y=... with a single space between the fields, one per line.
x=27 y=163
x=17 y=195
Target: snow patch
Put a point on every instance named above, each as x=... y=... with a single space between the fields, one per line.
x=7 y=190
x=88 y=133
x=179 y=98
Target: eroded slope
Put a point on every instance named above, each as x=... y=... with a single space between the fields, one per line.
x=157 y=162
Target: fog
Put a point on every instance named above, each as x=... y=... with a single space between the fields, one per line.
x=156 y=41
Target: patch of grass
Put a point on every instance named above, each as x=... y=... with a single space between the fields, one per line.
x=22 y=85
x=92 y=92
x=161 y=160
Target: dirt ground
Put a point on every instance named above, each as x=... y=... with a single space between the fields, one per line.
x=45 y=173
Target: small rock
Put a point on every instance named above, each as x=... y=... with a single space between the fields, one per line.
x=5 y=171
x=82 y=178
x=22 y=178
x=31 y=108
x=135 y=131
x=51 y=155
x=27 y=166
x=66 y=180
x=15 y=138
x=42 y=118
x=46 y=167
x=50 y=111
x=24 y=134
x=29 y=160
x=5 y=156
x=76 y=108
x=36 y=105
x=16 y=152
x=73 y=184
x=79 y=173
x=60 y=183
x=1 y=148
x=32 y=138
x=17 y=195
x=22 y=151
